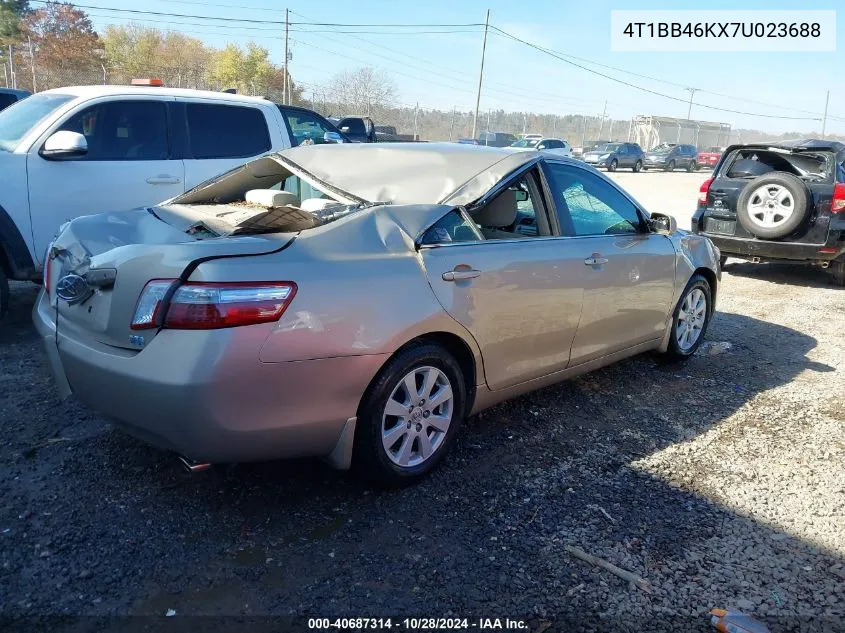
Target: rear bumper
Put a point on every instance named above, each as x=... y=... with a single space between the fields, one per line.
x=771 y=250
x=206 y=395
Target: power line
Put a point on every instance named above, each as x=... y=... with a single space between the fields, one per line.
x=641 y=88
x=254 y=21
x=442 y=69
x=666 y=81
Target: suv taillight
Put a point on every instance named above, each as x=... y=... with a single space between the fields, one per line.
x=210 y=305
x=704 y=190
x=837 y=205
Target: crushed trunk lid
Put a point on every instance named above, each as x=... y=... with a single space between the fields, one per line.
x=111 y=255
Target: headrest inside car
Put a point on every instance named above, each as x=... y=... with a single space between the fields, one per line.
x=271 y=198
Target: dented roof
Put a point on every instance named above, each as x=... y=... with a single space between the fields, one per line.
x=410 y=173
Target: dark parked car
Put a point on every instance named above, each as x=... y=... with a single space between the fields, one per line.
x=496 y=139
x=8 y=96
x=670 y=156
x=778 y=201
x=358 y=129
x=616 y=155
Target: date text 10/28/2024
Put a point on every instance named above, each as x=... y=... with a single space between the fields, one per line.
x=418 y=624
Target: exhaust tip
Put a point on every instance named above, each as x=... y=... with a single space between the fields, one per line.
x=191 y=466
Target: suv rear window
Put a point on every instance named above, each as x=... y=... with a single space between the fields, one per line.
x=753 y=162
x=224 y=131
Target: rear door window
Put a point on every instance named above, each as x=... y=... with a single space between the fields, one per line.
x=123 y=130
x=224 y=131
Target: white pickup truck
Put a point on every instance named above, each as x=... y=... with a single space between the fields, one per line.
x=83 y=150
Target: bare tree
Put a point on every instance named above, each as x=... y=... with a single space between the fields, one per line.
x=363 y=91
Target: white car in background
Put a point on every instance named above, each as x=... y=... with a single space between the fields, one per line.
x=555 y=146
x=87 y=149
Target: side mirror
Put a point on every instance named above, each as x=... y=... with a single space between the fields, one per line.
x=332 y=137
x=660 y=223
x=63 y=145
x=521 y=196
x=541 y=147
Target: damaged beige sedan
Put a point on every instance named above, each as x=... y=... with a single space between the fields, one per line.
x=358 y=302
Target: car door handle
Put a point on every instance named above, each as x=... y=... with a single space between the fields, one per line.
x=163 y=179
x=460 y=275
x=595 y=260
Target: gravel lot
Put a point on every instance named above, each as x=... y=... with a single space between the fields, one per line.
x=720 y=482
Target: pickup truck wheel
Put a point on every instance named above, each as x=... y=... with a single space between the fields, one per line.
x=773 y=205
x=4 y=293
x=837 y=271
x=410 y=416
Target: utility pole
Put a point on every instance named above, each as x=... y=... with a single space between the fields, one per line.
x=824 y=118
x=12 y=68
x=584 y=132
x=692 y=92
x=287 y=81
x=416 y=109
x=32 y=64
x=480 y=76
x=554 y=125
x=601 y=123
x=524 y=122
x=610 y=131
x=452 y=127
x=630 y=125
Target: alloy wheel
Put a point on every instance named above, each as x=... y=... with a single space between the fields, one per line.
x=770 y=206
x=691 y=319
x=417 y=416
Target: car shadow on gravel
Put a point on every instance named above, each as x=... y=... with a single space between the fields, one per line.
x=100 y=523
x=782 y=273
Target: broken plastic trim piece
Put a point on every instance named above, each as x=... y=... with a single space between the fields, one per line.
x=191 y=466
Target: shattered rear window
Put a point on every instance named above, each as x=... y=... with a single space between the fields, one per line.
x=753 y=162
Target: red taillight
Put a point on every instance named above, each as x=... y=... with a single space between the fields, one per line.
x=211 y=305
x=837 y=205
x=703 y=191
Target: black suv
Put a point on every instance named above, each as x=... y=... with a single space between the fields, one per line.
x=670 y=156
x=778 y=201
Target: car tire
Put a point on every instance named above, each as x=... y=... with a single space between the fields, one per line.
x=765 y=197
x=4 y=293
x=692 y=166
x=837 y=271
x=670 y=166
x=612 y=165
x=431 y=367
x=638 y=167
x=680 y=346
